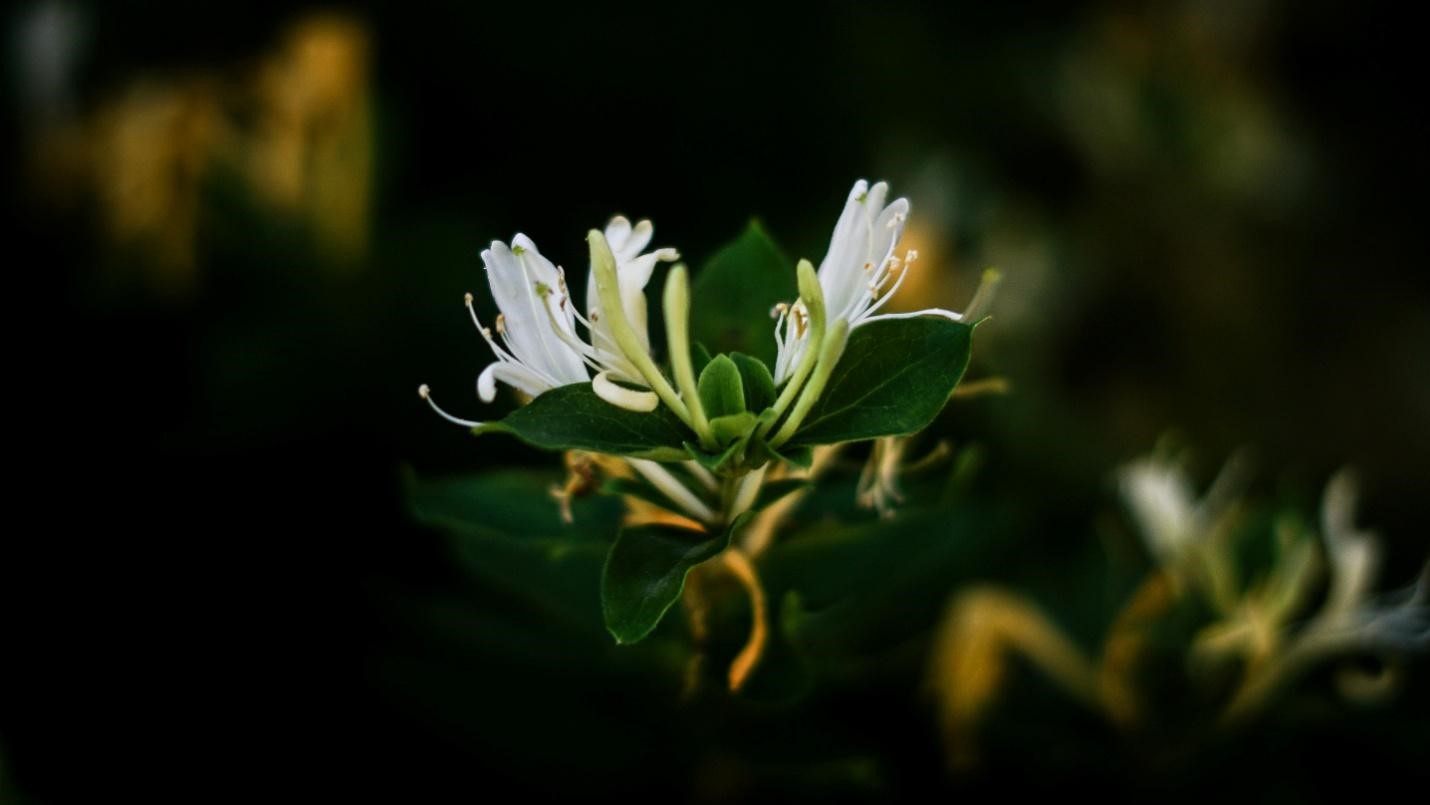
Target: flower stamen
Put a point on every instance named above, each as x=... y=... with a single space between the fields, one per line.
x=425 y=392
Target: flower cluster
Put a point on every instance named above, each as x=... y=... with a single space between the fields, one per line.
x=1262 y=621
x=710 y=452
x=541 y=341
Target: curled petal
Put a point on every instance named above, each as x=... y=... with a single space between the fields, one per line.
x=622 y=397
x=512 y=374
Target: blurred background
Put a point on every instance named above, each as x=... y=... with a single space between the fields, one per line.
x=249 y=227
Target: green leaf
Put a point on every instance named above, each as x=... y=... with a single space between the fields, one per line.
x=699 y=358
x=721 y=390
x=893 y=379
x=645 y=573
x=759 y=383
x=732 y=427
x=873 y=583
x=573 y=418
x=505 y=531
x=508 y=503
x=772 y=491
x=733 y=293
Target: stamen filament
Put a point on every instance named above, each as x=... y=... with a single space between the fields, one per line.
x=879 y=302
x=425 y=393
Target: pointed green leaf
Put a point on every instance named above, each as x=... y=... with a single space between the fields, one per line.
x=733 y=293
x=645 y=573
x=699 y=357
x=893 y=379
x=732 y=427
x=506 y=533
x=573 y=418
x=759 y=383
x=721 y=390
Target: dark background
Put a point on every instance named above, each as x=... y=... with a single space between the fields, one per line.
x=1209 y=217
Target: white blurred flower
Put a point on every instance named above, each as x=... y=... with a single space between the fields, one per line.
x=1260 y=620
x=1351 y=615
x=1183 y=532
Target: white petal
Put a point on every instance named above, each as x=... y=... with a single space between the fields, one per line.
x=618 y=232
x=1161 y=501
x=640 y=238
x=877 y=194
x=1354 y=554
x=512 y=374
x=632 y=276
x=841 y=274
x=621 y=397
x=515 y=275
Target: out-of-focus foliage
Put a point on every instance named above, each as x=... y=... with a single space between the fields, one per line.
x=1206 y=218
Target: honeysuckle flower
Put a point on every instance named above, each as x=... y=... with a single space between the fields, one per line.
x=1263 y=622
x=1180 y=530
x=633 y=271
x=533 y=333
x=534 y=336
x=1350 y=612
x=1349 y=620
x=1165 y=508
x=861 y=272
x=535 y=330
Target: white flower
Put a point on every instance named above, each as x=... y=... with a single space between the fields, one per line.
x=1260 y=620
x=633 y=271
x=1350 y=613
x=1184 y=533
x=1164 y=507
x=535 y=340
x=861 y=272
x=536 y=330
